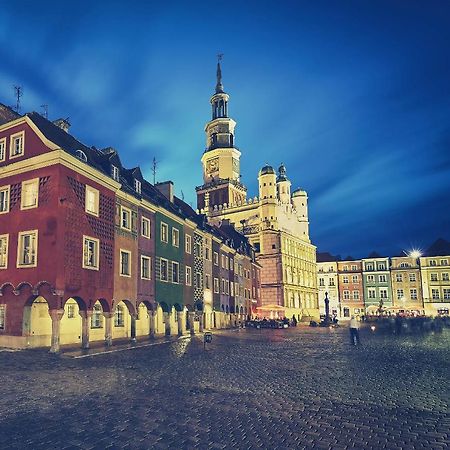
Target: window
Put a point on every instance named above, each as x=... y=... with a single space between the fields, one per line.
x=81 y=155
x=232 y=288
x=433 y=276
x=188 y=244
x=369 y=266
x=70 y=311
x=345 y=268
x=119 y=316
x=383 y=293
x=216 y=285
x=146 y=267
x=412 y=277
x=115 y=173
x=164 y=232
x=413 y=294
x=91 y=248
x=188 y=276
x=331 y=282
x=2 y=316
x=198 y=279
x=355 y=295
x=372 y=293
x=175 y=237
x=400 y=293
x=27 y=249
x=207 y=281
x=381 y=266
x=4 y=239
x=370 y=278
x=125 y=263
x=17 y=145
x=346 y=312
x=175 y=272
x=92 y=200
x=345 y=280
x=146 y=227
x=164 y=270
x=445 y=276
x=398 y=277
x=30 y=191
x=97 y=317
x=125 y=218
x=446 y=294
x=216 y=259
x=435 y=294
x=444 y=262
x=354 y=268
x=321 y=282
x=137 y=186
x=354 y=279
x=207 y=254
x=2 y=149
x=197 y=250
x=382 y=278
x=4 y=199
x=223 y=285
x=223 y=261
x=346 y=295
x=432 y=262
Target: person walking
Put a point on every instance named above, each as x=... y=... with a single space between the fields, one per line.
x=354 y=331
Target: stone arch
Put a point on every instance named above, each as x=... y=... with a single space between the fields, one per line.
x=44 y=289
x=82 y=305
x=106 y=306
x=151 y=306
x=178 y=307
x=6 y=287
x=23 y=287
x=36 y=322
x=165 y=307
x=189 y=307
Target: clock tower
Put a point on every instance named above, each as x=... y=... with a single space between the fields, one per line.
x=220 y=160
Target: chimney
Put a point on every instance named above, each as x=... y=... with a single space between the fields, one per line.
x=166 y=188
x=64 y=124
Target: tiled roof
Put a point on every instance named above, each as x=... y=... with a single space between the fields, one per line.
x=440 y=247
x=7 y=114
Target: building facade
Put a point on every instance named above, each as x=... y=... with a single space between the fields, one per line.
x=275 y=222
x=377 y=284
x=327 y=281
x=435 y=278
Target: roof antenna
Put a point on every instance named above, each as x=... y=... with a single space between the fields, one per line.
x=45 y=112
x=154 y=165
x=182 y=195
x=18 y=92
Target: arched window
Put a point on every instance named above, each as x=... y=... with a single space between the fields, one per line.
x=81 y=155
x=118 y=316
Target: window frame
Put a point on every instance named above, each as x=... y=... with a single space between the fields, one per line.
x=12 y=138
x=166 y=280
x=121 y=252
x=6 y=237
x=97 y=253
x=173 y=265
x=175 y=237
x=96 y=193
x=149 y=224
x=3 y=146
x=128 y=211
x=216 y=285
x=137 y=186
x=188 y=278
x=115 y=173
x=33 y=182
x=6 y=188
x=216 y=258
x=3 y=317
x=19 y=264
x=149 y=259
x=188 y=244
x=165 y=226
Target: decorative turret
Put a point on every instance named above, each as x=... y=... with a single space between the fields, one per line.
x=300 y=202
x=283 y=186
x=267 y=183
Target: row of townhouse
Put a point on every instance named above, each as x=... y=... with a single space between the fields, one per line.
x=397 y=284
x=90 y=250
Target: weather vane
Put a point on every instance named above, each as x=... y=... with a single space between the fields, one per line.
x=219 y=56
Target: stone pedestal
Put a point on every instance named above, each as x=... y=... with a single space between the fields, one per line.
x=56 y=316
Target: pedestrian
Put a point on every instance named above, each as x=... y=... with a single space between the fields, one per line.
x=354 y=331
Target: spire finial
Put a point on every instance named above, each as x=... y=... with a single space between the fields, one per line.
x=219 y=85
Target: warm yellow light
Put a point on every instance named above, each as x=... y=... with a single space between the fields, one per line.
x=414 y=253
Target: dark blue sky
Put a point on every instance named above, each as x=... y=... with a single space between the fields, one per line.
x=352 y=96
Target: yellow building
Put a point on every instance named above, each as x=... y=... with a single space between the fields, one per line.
x=275 y=221
x=406 y=284
x=435 y=275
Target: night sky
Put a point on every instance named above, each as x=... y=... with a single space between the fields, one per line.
x=353 y=98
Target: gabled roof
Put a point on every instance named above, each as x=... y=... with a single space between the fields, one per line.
x=327 y=257
x=440 y=247
x=7 y=114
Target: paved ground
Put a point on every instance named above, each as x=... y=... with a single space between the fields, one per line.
x=296 y=388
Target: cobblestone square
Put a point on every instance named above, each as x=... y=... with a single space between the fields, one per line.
x=294 y=388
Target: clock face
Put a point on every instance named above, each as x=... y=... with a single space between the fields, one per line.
x=212 y=165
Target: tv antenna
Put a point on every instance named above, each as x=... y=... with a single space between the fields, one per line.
x=154 y=165
x=18 y=93
x=45 y=111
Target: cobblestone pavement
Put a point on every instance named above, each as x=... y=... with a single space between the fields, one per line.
x=295 y=388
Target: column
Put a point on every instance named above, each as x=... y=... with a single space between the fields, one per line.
x=56 y=316
x=181 y=319
x=85 y=328
x=108 y=328
x=133 y=327
x=152 y=324
x=191 y=322
x=166 y=316
x=200 y=324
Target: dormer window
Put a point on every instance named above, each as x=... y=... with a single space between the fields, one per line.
x=137 y=186
x=115 y=173
x=81 y=155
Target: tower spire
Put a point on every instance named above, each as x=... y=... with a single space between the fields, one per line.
x=219 y=85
